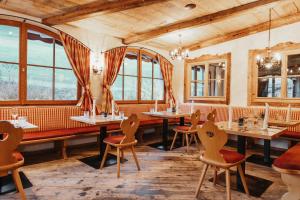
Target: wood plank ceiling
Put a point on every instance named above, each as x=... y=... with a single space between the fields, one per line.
x=132 y=20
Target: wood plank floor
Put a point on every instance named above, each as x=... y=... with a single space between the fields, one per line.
x=164 y=175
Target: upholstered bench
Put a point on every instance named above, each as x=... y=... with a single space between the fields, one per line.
x=288 y=164
x=54 y=124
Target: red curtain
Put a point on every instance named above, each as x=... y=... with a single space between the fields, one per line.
x=79 y=57
x=167 y=73
x=113 y=61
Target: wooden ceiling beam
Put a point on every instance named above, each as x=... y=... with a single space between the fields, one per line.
x=198 y=21
x=99 y=7
x=245 y=32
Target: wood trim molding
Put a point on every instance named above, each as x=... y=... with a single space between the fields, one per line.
x=245 y=32
x=207 y=99
x=99 y=7
x=252 y=99
x=198 y=21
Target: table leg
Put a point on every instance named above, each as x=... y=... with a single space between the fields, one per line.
x=102 y=136
x=241 y=148
x=1 y=178
x=165 y=133
x=1 y=184
x=181 y=121
x=267 y=151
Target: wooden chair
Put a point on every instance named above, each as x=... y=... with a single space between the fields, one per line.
x=188 y=130
x=213 y=140
x=121 y=142
x=10 y=160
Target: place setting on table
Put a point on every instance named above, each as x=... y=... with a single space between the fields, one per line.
x=171 y=113
x=7 y=184
x=257 y=127
x=102 y=121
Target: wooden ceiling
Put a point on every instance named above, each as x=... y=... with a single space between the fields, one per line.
x=158 y=23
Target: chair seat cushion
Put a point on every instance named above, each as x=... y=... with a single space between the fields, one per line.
x=114 y=139
x=231 y=156
x=291 y=134
x=290 y=159
x=18 y=156
x=183 y=128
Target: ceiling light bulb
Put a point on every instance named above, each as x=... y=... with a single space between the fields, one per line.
x=268 y=65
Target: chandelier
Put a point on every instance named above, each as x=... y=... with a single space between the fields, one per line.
x=270 y=59
x=179 y=53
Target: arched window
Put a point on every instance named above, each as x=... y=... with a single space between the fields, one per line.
x=139 y=79
x=34 y=68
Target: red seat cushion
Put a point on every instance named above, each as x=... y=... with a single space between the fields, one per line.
x=291 y=134
x=231 y=156
x=115 y=139
x=18 y=156
x=290 y=159
x=183 y=128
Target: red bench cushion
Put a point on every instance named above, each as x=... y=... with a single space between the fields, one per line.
x=65 y=132
x=150 y=122
x=291 y=134
x=289 y=160
x=231 y=156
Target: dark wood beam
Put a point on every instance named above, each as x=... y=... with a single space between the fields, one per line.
x=99 y=7
x=245 y=32
x=198 y=21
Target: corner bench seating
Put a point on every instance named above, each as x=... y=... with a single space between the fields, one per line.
x=54 y=123
x=288 y=164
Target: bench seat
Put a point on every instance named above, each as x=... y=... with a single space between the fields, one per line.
x=291 y=134
x=288 y=164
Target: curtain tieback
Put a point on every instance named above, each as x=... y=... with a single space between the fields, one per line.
x=86 y=88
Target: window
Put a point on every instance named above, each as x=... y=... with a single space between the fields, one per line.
x=40 y=73
x=278 y=85
x=9 y=63
x=139 y=79
x=207 y=79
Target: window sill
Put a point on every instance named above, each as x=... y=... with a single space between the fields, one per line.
x=213 y=100
x=275 y=101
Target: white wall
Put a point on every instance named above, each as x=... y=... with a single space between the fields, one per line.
x=239 y=54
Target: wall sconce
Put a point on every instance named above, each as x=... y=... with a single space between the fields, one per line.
x=97 y=60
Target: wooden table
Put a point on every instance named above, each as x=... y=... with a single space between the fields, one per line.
x=242 y=132
x=283 y=123
x=102 y=122
x=165 y=126
x=7 y=183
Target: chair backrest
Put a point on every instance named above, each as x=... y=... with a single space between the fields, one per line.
x=212 y=115
x=213 y=139
x=129 y=127
x=12 y=138
x=195 y=118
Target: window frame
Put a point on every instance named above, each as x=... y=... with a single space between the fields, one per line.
x=23 y=27
x=206 y=60
x=285 y=49
x=139 y=79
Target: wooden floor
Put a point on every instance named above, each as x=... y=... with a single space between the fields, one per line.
x=164 y=175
